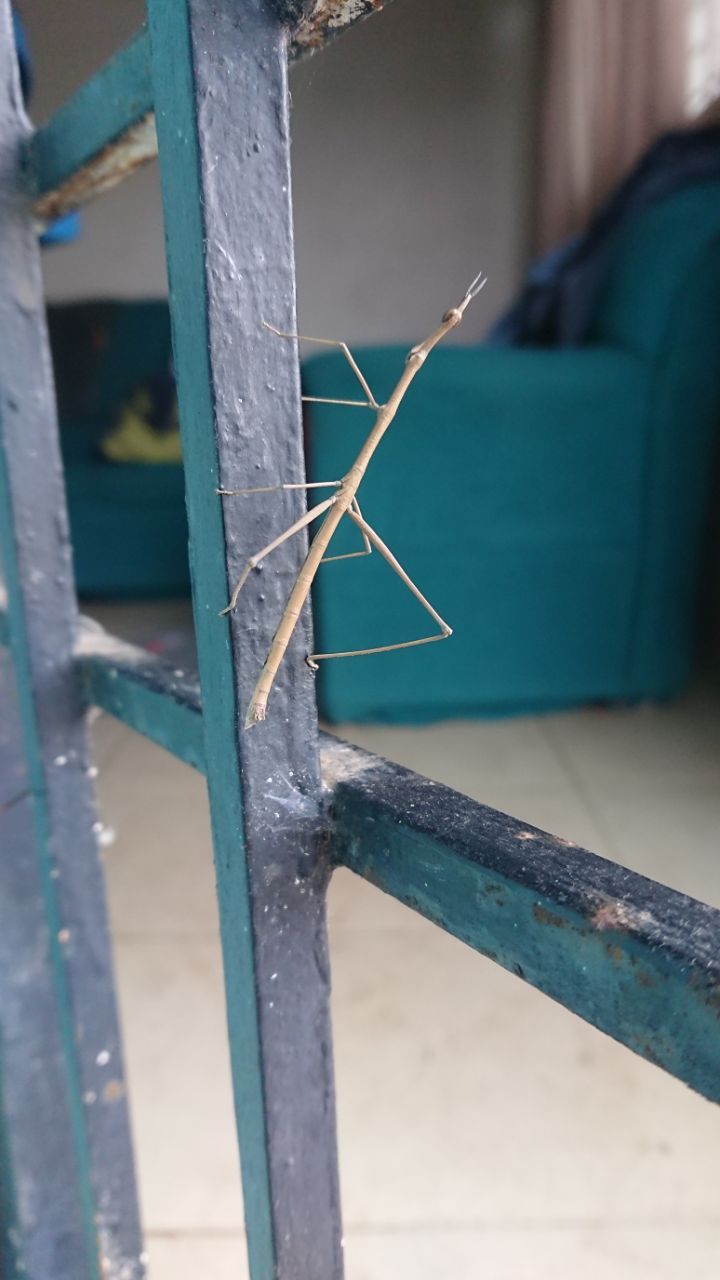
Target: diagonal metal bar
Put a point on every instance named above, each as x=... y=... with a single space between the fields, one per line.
x=100 y=135
x=221 y=95
x=106 y=130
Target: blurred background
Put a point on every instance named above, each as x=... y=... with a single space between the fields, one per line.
x=551 y=484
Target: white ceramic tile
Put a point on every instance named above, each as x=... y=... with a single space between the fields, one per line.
x=107 y=736
x=672 y=836
x=159 y=868
x=661 y=1251
x=197 y=1257
x=172 y=1005
x=658 y=1252
x=641 y=749
x=466 y=754
x=353 y=903
x=466 y=1098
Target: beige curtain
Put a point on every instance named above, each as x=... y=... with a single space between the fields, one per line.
x=616 y=76
x=704 y=59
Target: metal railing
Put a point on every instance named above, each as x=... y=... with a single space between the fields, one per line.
x=205 y=85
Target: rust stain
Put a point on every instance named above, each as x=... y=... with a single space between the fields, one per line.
x=118 y=159
x=492 y=890
x=543 y=916
x=620 y=916
x=712 y=998
x=113 y=1091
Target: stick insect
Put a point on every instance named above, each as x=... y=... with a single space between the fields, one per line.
x=342 y=502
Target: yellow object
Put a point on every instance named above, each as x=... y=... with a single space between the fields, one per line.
x=134 y=439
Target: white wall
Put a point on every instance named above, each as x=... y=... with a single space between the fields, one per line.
x=413 y=140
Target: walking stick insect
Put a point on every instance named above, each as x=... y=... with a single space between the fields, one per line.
x=343 y=502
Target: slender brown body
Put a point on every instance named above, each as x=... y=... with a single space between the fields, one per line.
x=340 y=506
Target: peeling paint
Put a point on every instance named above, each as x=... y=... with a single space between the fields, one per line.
x=621 y=916
x=116 y=161
x=543 y=916
x=326 y=18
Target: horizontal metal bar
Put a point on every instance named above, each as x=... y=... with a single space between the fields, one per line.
x=636 y=959
x=106 y=130
x=101 y=134
x=135 y=686
x=143 y=691
x=632 y=957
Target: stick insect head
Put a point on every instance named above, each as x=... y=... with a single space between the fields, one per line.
x=471 y=292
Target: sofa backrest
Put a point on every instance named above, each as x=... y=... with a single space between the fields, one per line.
x=663 y=303
x=102 y=350
x=658 y=256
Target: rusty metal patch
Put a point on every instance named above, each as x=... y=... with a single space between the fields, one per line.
x=119 y=158
x=323 y=19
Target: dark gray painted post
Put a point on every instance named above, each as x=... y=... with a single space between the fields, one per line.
x=42 y=1218
x=56 y=823
x=221 y=98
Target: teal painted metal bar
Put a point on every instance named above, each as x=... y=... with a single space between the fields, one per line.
x=106 y=129
x=145 y=692
x=101 y=134
x=636 y=959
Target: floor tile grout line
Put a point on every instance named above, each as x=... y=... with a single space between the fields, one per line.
x=470 y=1227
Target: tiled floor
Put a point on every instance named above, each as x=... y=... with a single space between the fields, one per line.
x=486 y=1134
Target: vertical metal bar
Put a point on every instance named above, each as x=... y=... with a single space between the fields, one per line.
x=42 y=1221
x=221 y=99
x=96 y=1157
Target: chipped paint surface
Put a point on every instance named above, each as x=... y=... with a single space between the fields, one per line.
x=621 y=916
x=312 y=23
x=116 y=161
x=326 y=18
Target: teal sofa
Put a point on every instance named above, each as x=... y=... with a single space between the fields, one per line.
x=551 y=503
x=127 y=522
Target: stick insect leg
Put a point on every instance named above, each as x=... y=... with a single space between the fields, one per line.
x=370 y=403
x=276 y=488
x=259 y=556
x=445 y=631
x=353 y=555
